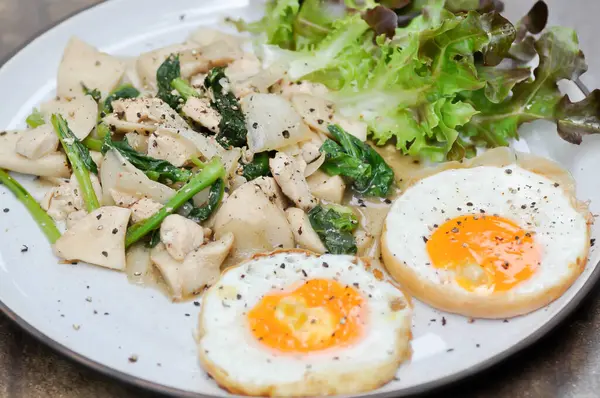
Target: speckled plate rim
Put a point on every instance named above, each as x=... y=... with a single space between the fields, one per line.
x=72 y=355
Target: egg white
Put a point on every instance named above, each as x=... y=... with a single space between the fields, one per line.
x=560 y=229
x=241 y=364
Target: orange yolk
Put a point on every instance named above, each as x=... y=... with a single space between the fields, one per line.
x=317 y=315
x=484 y=251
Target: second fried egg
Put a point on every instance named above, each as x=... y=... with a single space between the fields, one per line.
x=486 y=241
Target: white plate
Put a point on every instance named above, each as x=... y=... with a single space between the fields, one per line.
x=95 y=316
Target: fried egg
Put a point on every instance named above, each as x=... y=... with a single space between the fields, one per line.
x=292 y=323
x=490 y=241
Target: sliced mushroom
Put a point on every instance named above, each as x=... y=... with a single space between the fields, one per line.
x=118 y=174
x=272 y=122
x=148 y=63
x=315 y=111
x=38 y=142
x=168 y=145
x=84 y=64
x=80 y=112
x=74 y=217
x=305 y=235
x=207 y=145
x=180 y=236
x=144 y=209
x=51 y=165
x=122 y=199
x=200 y=111
x=98 y=238
x=200 y=268
x=269 y=187
x=290 y=177
x=325 y=187
x=137 y=141
x=257 y=223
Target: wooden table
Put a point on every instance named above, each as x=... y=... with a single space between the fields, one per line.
x=565 y=363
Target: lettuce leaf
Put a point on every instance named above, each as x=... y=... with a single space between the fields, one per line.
x=560 y=58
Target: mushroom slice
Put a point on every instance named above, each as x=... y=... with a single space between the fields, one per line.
x=269 y=187
x=257 y=223
x=80 y=112
x=200 y=111
x=52 y=165
x=290 y=177
x=315 y=111
x=180 y=236
x=325 y=187
x=98 y=238
x=84 y=64
x=118 y=174
x=272 y=122
x=148 y=63
x=208 y=146
x=38 y=142
x=167 y=145
x=303 y=231
x=200 y=268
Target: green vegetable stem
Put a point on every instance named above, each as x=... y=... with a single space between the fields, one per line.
x=184 y=88
x=35 y=119
x=213 y=171
x=43 y=220
x=80 y=159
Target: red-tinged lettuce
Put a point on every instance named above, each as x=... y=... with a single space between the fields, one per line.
x=578 y=119
x=560 y=58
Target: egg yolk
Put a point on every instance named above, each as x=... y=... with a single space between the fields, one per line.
x=484 y=251
x=317 y=315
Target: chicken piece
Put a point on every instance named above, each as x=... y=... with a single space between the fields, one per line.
x=290 y=177
x=325 y=187
x=257 y=223
x=199 y=269
x=80 y=112
x=200 y=111
x=137 y=141
x=143 y=115
x=140 y=270
x=304 y=234
x=144 y=209
x=58 y=202
x=167 y=145
x=180 y=236
x=51 y=165
x=84 y=64
x=98 y=238
x=122 y=199
x=244 y=68
x=269 y=187
x=197 y=81
x=38 y=142
x=364 y=241
x=66 y=198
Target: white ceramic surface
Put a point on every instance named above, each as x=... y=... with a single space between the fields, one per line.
x=99 y=318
